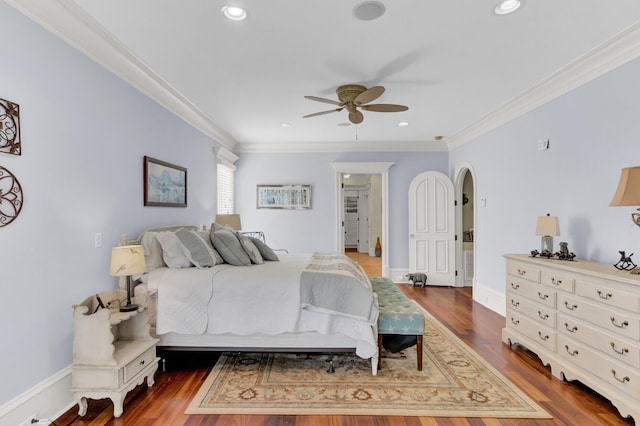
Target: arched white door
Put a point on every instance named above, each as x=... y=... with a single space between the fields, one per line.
x=432 y=228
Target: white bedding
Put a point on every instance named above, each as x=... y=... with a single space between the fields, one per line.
x=246 y=300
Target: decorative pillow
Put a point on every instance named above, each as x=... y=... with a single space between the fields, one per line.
x=196 y=249
x=229 y=247
x=204 y=234
x=251 y=249
x=172 y=251
x=152 y=251
x=266 y=252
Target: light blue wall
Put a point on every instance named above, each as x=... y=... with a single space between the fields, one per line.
x=84 y=134
x=594 y=131
x=315 y=229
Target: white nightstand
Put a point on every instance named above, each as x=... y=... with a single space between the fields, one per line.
x=113 y=352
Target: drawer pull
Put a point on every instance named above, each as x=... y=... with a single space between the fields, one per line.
x=624 y=351
x=572 y=329
x=619 y=325
x=514 y=303
x=543 y=296
x=555 y=282
x=521 y=272
x=515 y=286
x=544 y=317
x=515 y=321
x=572 y=353
x=625 y=379
x=142 y=362
x=604 y=296
x=570 y=307
x=545 y=337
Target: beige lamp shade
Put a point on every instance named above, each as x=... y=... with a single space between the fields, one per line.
x=127 y=260
x=548 y=226
x=231 y=220
x=628 y=192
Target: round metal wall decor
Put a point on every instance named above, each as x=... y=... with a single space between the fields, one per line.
x=11 y=197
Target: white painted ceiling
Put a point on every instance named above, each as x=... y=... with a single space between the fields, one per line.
x=453 y=62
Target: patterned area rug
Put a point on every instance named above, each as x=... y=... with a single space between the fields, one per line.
x=454 y=382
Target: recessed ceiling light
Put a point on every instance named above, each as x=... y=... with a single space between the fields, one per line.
x=508 y=6
x=285 y=124
x=234 y=13
x=369 y=10
x=403 y=124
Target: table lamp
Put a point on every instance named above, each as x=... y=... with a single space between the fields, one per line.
x=231 y=220
x=548 y=227
x=127 y=261
x=628 y=192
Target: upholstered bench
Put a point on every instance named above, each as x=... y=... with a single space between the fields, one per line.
x=398 y=315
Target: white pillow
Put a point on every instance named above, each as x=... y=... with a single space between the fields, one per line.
x=172 y=251
x=152 y=251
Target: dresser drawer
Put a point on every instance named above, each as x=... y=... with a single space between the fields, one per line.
x=534 y=331
x=607 y=343
x=527 y=272
x=607 y=319
x=558 y=280
x=605 y=294
x=537 y=293
x=542 y=314
x=620 y=376
x=138 y=364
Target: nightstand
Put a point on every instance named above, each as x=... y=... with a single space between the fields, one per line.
x=113 y=352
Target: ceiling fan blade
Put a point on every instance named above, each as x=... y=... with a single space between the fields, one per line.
x=369 y=95
x=356 y=117
x=384 y=108
x=328 y=101
x=323 y=112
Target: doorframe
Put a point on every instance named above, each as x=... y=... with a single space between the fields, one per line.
x=461 y=170
x=376 y=168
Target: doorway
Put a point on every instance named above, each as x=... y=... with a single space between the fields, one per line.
x=466 y=225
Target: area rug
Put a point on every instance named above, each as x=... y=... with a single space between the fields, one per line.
x=454 y=382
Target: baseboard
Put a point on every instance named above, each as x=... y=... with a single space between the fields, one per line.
x=48 y=400
x=490 y=298
x=398 y=275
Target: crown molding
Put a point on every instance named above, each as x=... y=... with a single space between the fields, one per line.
x=611 y=54
x=347 y=146
x=65 y=19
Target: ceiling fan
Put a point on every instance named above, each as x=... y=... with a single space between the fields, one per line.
x=354 y=97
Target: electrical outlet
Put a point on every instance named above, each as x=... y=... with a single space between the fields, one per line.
x=32 y=419
x=97 y=240
x=543 y=144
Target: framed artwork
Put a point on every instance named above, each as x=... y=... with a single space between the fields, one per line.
x=10 y=128
x=165 y=184
x=284 y=197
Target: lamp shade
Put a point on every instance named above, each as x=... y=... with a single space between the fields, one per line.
x=231 y=220
x=127 y=260
x=628 y=192
x=548 y=225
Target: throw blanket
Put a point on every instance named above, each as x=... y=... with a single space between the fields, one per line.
x=335 y=284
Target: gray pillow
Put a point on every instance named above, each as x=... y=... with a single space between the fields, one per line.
x=266 y=251
x=251 y=249
x=229 y=247
x=197 y=250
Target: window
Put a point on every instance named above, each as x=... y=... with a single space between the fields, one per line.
x=226 y=182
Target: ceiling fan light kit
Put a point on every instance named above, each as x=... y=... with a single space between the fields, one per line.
x=354 y=97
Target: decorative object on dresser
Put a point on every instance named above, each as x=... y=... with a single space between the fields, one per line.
x=113 y=352
x=284 y=196
x=625 y=263
x=11 y=197
x=165 y=184
x=628 y=192
x=10 y=128
x=548 y=227
x=582 y=319
x=127 y=261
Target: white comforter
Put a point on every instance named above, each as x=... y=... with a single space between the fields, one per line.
x=246 y=300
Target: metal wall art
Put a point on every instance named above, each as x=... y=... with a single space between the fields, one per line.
x=11 y=197
x=10 y=128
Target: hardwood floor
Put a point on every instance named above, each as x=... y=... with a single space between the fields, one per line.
x=479 y=327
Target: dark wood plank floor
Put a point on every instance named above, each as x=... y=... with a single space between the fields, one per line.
x=479 y=327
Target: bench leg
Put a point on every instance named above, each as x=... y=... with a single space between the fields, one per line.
x=419 y=346
x=379 y=351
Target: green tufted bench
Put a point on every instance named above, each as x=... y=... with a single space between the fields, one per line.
x=398 y=315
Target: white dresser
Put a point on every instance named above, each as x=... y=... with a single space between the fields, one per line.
x=582 y=319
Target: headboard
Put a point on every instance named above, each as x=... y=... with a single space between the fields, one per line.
x=125 y=241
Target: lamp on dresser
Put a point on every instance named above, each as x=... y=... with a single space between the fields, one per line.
x=231 y=220
x=127 y=261
x=628 y=192
x=548 y=227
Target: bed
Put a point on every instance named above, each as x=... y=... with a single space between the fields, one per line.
x=199 y=296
